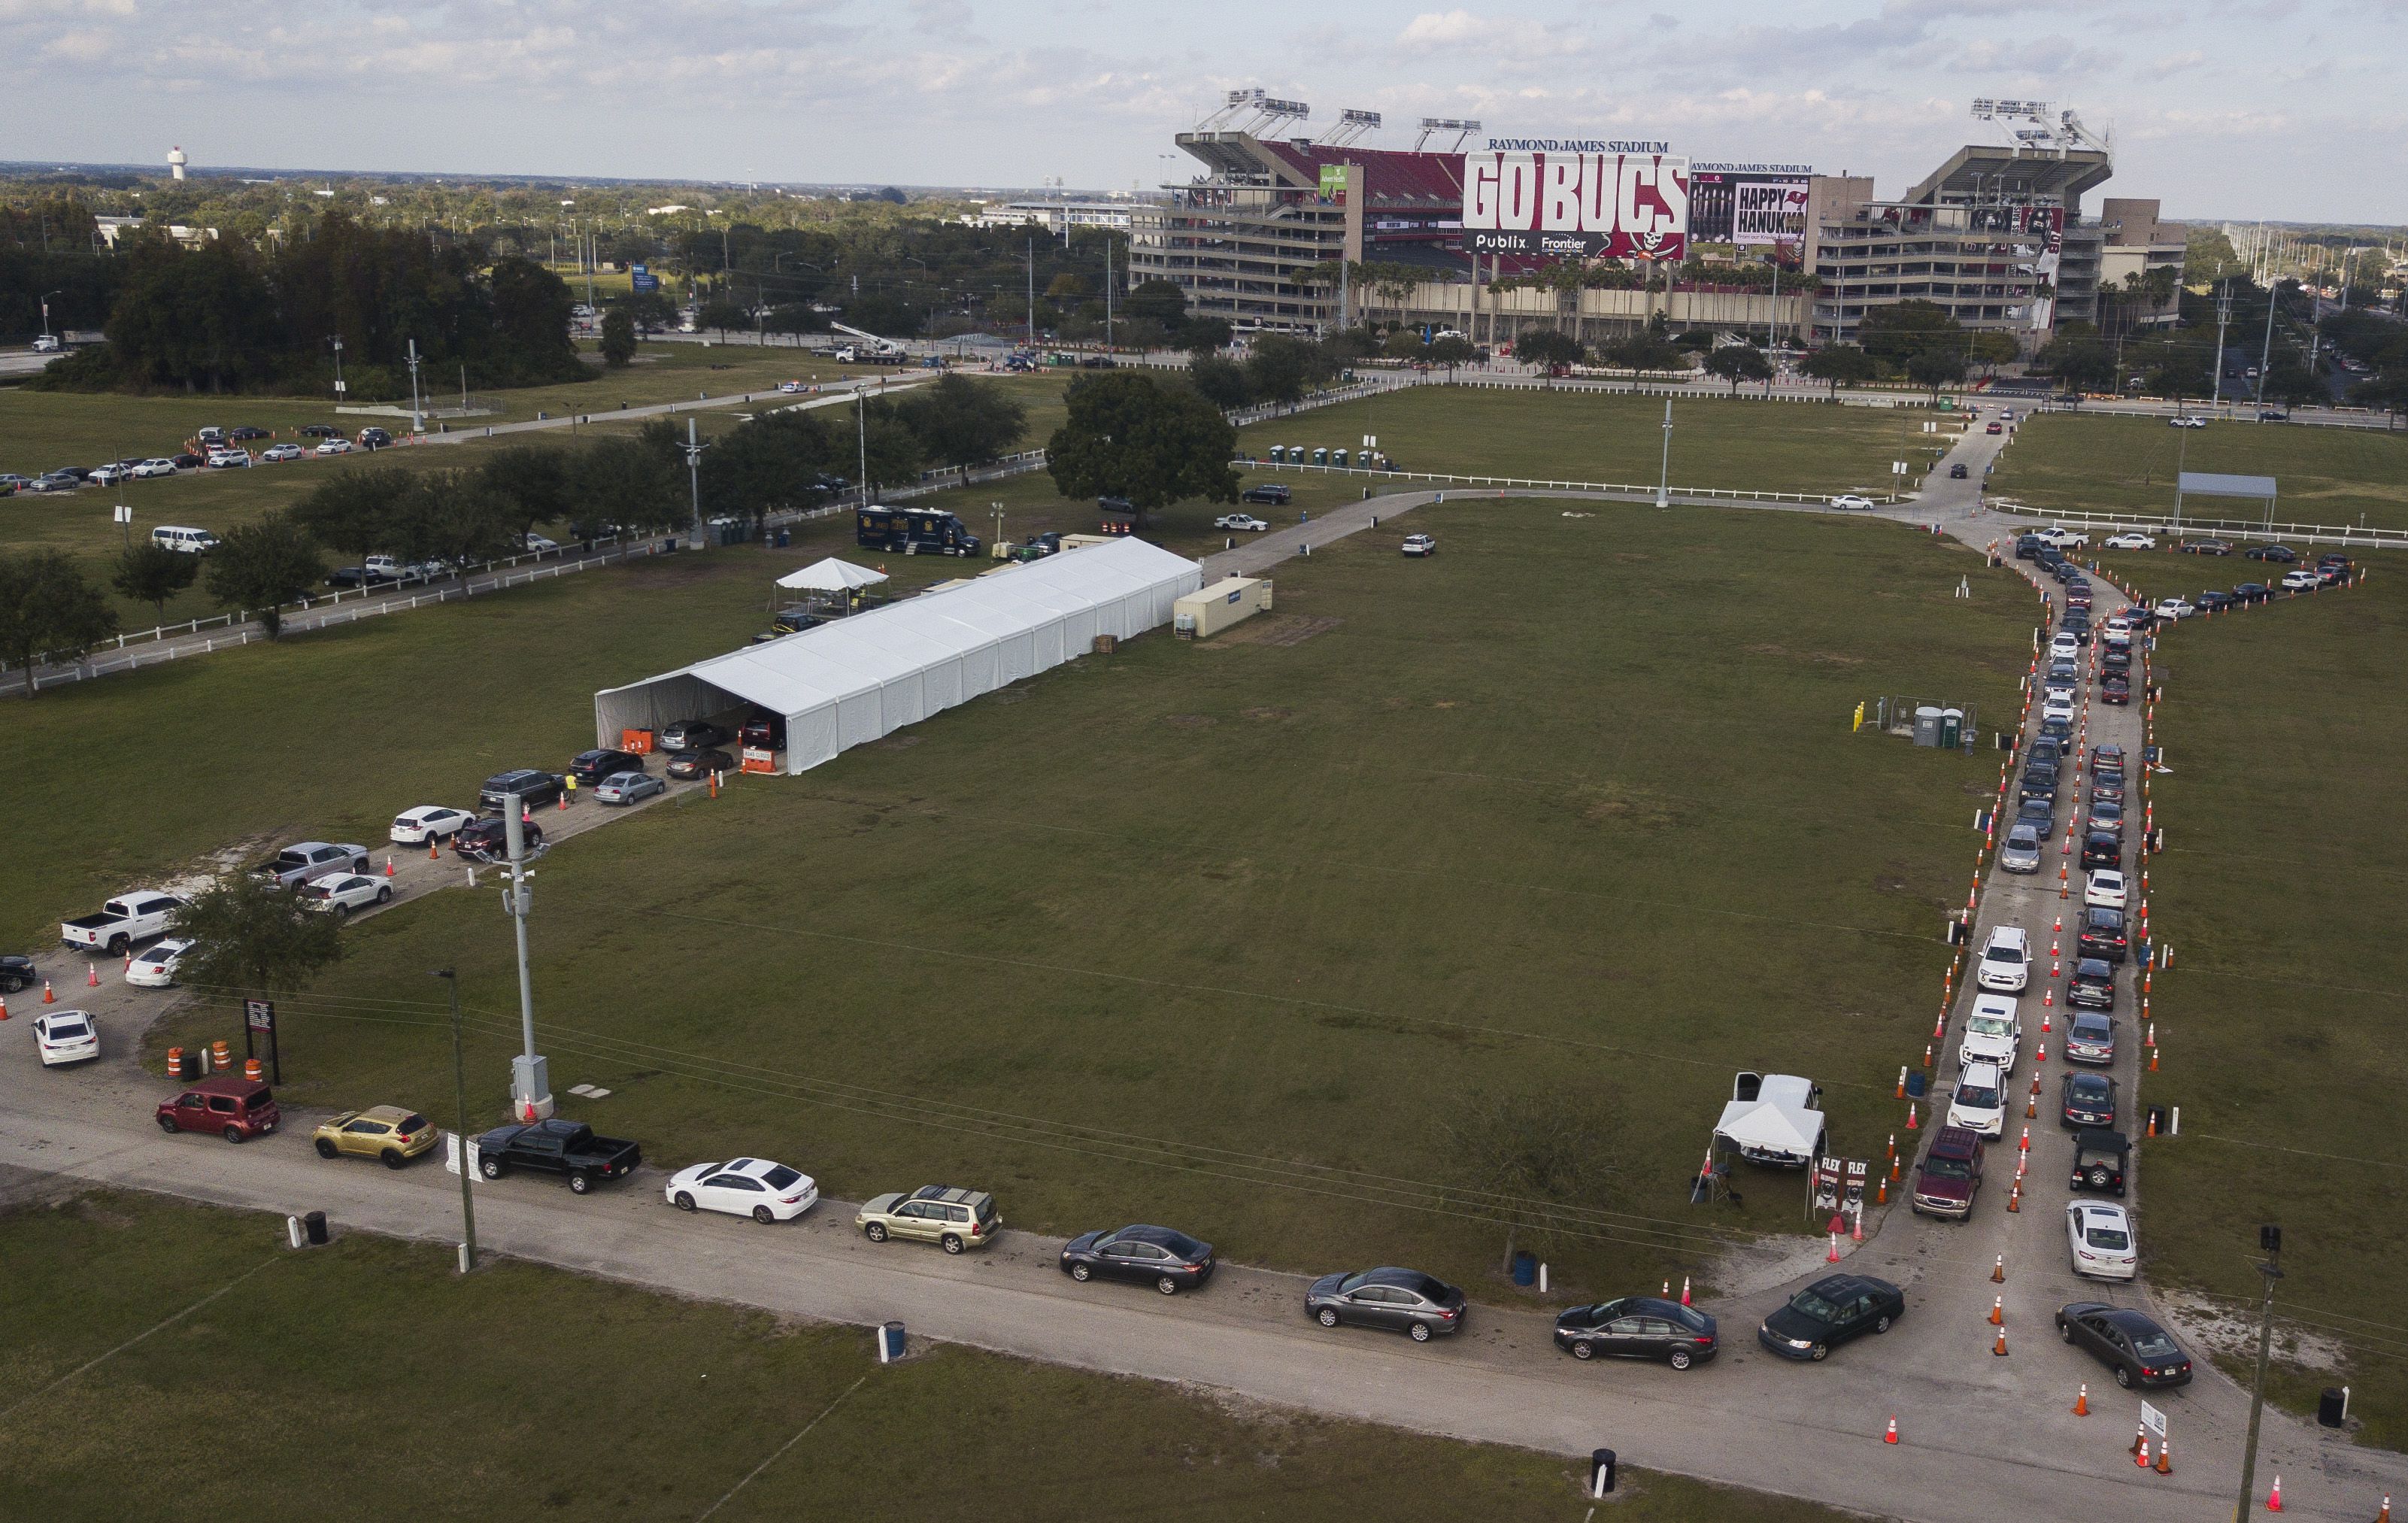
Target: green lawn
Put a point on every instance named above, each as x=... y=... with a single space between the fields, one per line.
x=365 y=1377
x=1576 y=800
x=2107 y=465
x=2281 y=1021
x=1600 y=436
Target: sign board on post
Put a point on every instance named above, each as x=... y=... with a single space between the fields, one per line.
x=1827 y=1183
x=259 y=1016
x=2154 y=1421
x=451 y=1155
x=642 y=278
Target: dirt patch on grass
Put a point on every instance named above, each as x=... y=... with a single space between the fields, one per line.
x=1270 y=714
x=1275 y=629
x=1189 y=722
x=2233 y=1331
x=653 y=571
x=1613 y=803
x=1820 y=658
x=898 y=742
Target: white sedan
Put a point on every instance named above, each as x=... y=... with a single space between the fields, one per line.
x=2104 y=889
x=429 y=822
x=754 y=1187
x=1848 y=502
x=109 y=475
x=2186 y=421
x=281 y=451
x=157 y=968
x=335 y=446
x=2099 y=1239
x=1420 y=544
x=2302 y=580
x=1247 y=521
x=2130 y=541
x=144 y=470
x=340 y=893
x=2176 y=608
x=66 y=1035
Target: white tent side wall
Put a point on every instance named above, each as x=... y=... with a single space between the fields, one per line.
x=860 y=678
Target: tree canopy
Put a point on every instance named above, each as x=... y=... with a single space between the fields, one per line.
x=48 y=606
x=1130 y=436
x=264 y=564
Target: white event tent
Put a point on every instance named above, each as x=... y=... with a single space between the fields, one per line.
x=831 y=575
x=857 y=680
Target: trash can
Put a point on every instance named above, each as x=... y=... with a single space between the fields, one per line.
x=1915 y=1084
x=1525 y=1267
x=2332 y=1407
x=785 y=537
x=890 y=1342
x=313 y=1226
x=1600 y=1473
x=1927 y=725
x=1952 y=728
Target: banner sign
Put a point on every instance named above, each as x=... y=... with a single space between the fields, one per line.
x=1768 y=211
x=1333 y=183
x=1567 y=204
x=642 y=279
x=258 y=1015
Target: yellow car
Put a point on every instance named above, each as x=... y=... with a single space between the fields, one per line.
x=381 y=1131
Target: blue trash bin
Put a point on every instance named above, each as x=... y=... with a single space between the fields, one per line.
x=1525 y=1267
x=1915 y=1084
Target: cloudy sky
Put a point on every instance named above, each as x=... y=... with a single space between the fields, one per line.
x=2284 y=109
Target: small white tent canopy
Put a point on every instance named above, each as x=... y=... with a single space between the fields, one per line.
x=831 y=575
x=1771 y=1119
x=859 y=678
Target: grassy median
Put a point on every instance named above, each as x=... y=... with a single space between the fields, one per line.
x=1249 y=935
x=367 y=1377
x=2102 y=464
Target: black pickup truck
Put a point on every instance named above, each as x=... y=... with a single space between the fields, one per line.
x=557 y=1147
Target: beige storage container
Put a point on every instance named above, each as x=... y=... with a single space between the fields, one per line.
x=1202 y=614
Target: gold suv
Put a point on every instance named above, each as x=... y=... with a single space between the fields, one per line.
x=381 y=1131
x=950 y=1218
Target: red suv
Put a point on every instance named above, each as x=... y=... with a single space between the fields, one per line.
x=1950 y=1174
x=234 y=1108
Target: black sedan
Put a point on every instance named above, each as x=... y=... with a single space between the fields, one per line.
x=2210 y=601
x=2087 y=1100
x=2207 y=547
x=1638 y=1328
x=1829 y=1312
x=2129 y=1343
x=700 y=763
x=2279 y=555
x=2251 y=592
x=1421 y=1306
x=2093 y=986
x=1168 y=1260
x=17 y=972
x=2103 y=934
x=693 y=735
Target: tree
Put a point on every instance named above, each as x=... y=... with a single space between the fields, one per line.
x=1895 y=334
x=2290 y=382
x=49 y=607
x=2388 y=391
x=1220 y=381
x=256 y=939
x=1069 y=286
x=1936 y=368
x=351 y=511
x=1451 y=351
x=1158 y=302
x=2079 y=358
x=1520 y=1154
x=723 y=313
x=1840 y=365
x=2180 y=377
x=1990 y=350
x=772 y=463
x=263 y=566
x=1695 y=342
x=892 y=450
x=960 y=422
x=626 y=485
x=618 y=338
x=1736 y=363
x=1405 y=344
x=1279 y=368
x=533 y=478
x=1130 y=436
x=531 y=310
x=1204 y=335
x=153 y=573
x=648 y=308
x=1645 y=350
x=795 y=318
x=1548 y=348
x=455 y=516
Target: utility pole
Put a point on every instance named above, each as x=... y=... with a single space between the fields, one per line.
x=417 y=413
x=2223 y=316
x=694 y=448
x=530 y=1075
x=2266 y=351
x=1664 y=471
x=451 y=976
x=2269 y=1242
x=1032 y=295
x=336 y=339
x=861 y=426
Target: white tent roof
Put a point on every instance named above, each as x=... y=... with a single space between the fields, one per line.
x=1778 y=1120
x=857 y=679
x=832 y=575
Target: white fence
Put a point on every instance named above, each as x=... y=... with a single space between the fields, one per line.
x=2164 y=522
x=1628 y=488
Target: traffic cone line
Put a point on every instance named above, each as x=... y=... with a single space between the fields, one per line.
x=1891 y=1436
x=2082 y=1400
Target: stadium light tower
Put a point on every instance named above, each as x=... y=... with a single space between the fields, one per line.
x=1463 y=127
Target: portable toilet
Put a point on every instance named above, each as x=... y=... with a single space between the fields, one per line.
x=1320 y=457
x=1338 y=457
x=1952 y=728
x=1278 y=454
x=1927 y=725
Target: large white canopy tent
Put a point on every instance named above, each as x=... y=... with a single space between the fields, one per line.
x=857 y=680
x=831 y=575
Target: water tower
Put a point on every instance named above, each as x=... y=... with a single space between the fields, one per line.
x=175 y=162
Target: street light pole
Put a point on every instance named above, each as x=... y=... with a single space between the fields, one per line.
x=530 y=1075
x=694 y=448
x=417 y=413
x=1664 y=471
x=336 y=339
x=46 y=307
x=451 y=976
x=2270 y=1241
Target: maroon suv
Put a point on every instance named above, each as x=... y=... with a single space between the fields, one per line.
x=1950 y=1174
x=232 y=1107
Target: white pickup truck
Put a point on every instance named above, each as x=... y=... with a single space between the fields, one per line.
x=138 y=916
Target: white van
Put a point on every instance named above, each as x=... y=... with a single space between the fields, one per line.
x=192 y=542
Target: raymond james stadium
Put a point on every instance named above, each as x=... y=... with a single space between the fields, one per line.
x=1448 y=233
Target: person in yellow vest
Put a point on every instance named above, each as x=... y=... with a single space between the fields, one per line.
x=570 y=781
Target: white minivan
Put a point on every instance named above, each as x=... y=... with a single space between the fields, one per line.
x=192 y=542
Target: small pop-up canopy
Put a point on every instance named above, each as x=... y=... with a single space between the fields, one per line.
x=831 y=575
x=1771 y=1119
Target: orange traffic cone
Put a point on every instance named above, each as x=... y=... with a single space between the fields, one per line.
x=2140 y=1436
x=3 y=1007
x=1891 y=1436
x=1998 y=1270
x=387 y=863
x=2031 y=1106
x=2384 y=1515
x=2275 y=1498
x=1685 y=1290
x=2044 y=1026
x=1999 y=1348
x=2082 y=1400
x=1901 y=1074
x=2039 y=1053
x=1881 y=1186
x=1668 y=1289
x=530 y=1109
x=1833 y=1256
x=433 y=852
x=1911 y=1125
x=2057 y=926
x=1926 y=1055
x=2166 y=1457
x=2025 y=1145
x=1997 y=1311
x=2016 y=1196
x=2153 y=1060
x=2140 y=1456
x=91 y=976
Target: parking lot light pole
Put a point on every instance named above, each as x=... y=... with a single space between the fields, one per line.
x=1664 y=470
x=451 y=976
x=2270 y=1241
x=530 y=1076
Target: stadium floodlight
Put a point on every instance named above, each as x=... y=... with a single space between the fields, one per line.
x=1352 y=124
x=1463 y=127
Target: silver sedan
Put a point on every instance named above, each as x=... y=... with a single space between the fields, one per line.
x=628 y=787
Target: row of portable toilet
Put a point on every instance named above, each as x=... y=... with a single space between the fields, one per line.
x=1938 y=726
x=1297 y=454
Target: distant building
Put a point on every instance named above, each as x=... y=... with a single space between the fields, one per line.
x=1053 y=216
x=2138 y=244
x=113 y=228
x=175 y=162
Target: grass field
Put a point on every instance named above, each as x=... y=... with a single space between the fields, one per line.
x=2108 y=465
x=41 y=430
x=1576 y=799
x=366 y=1377
x=1598 y=437
x=2281 y=1022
